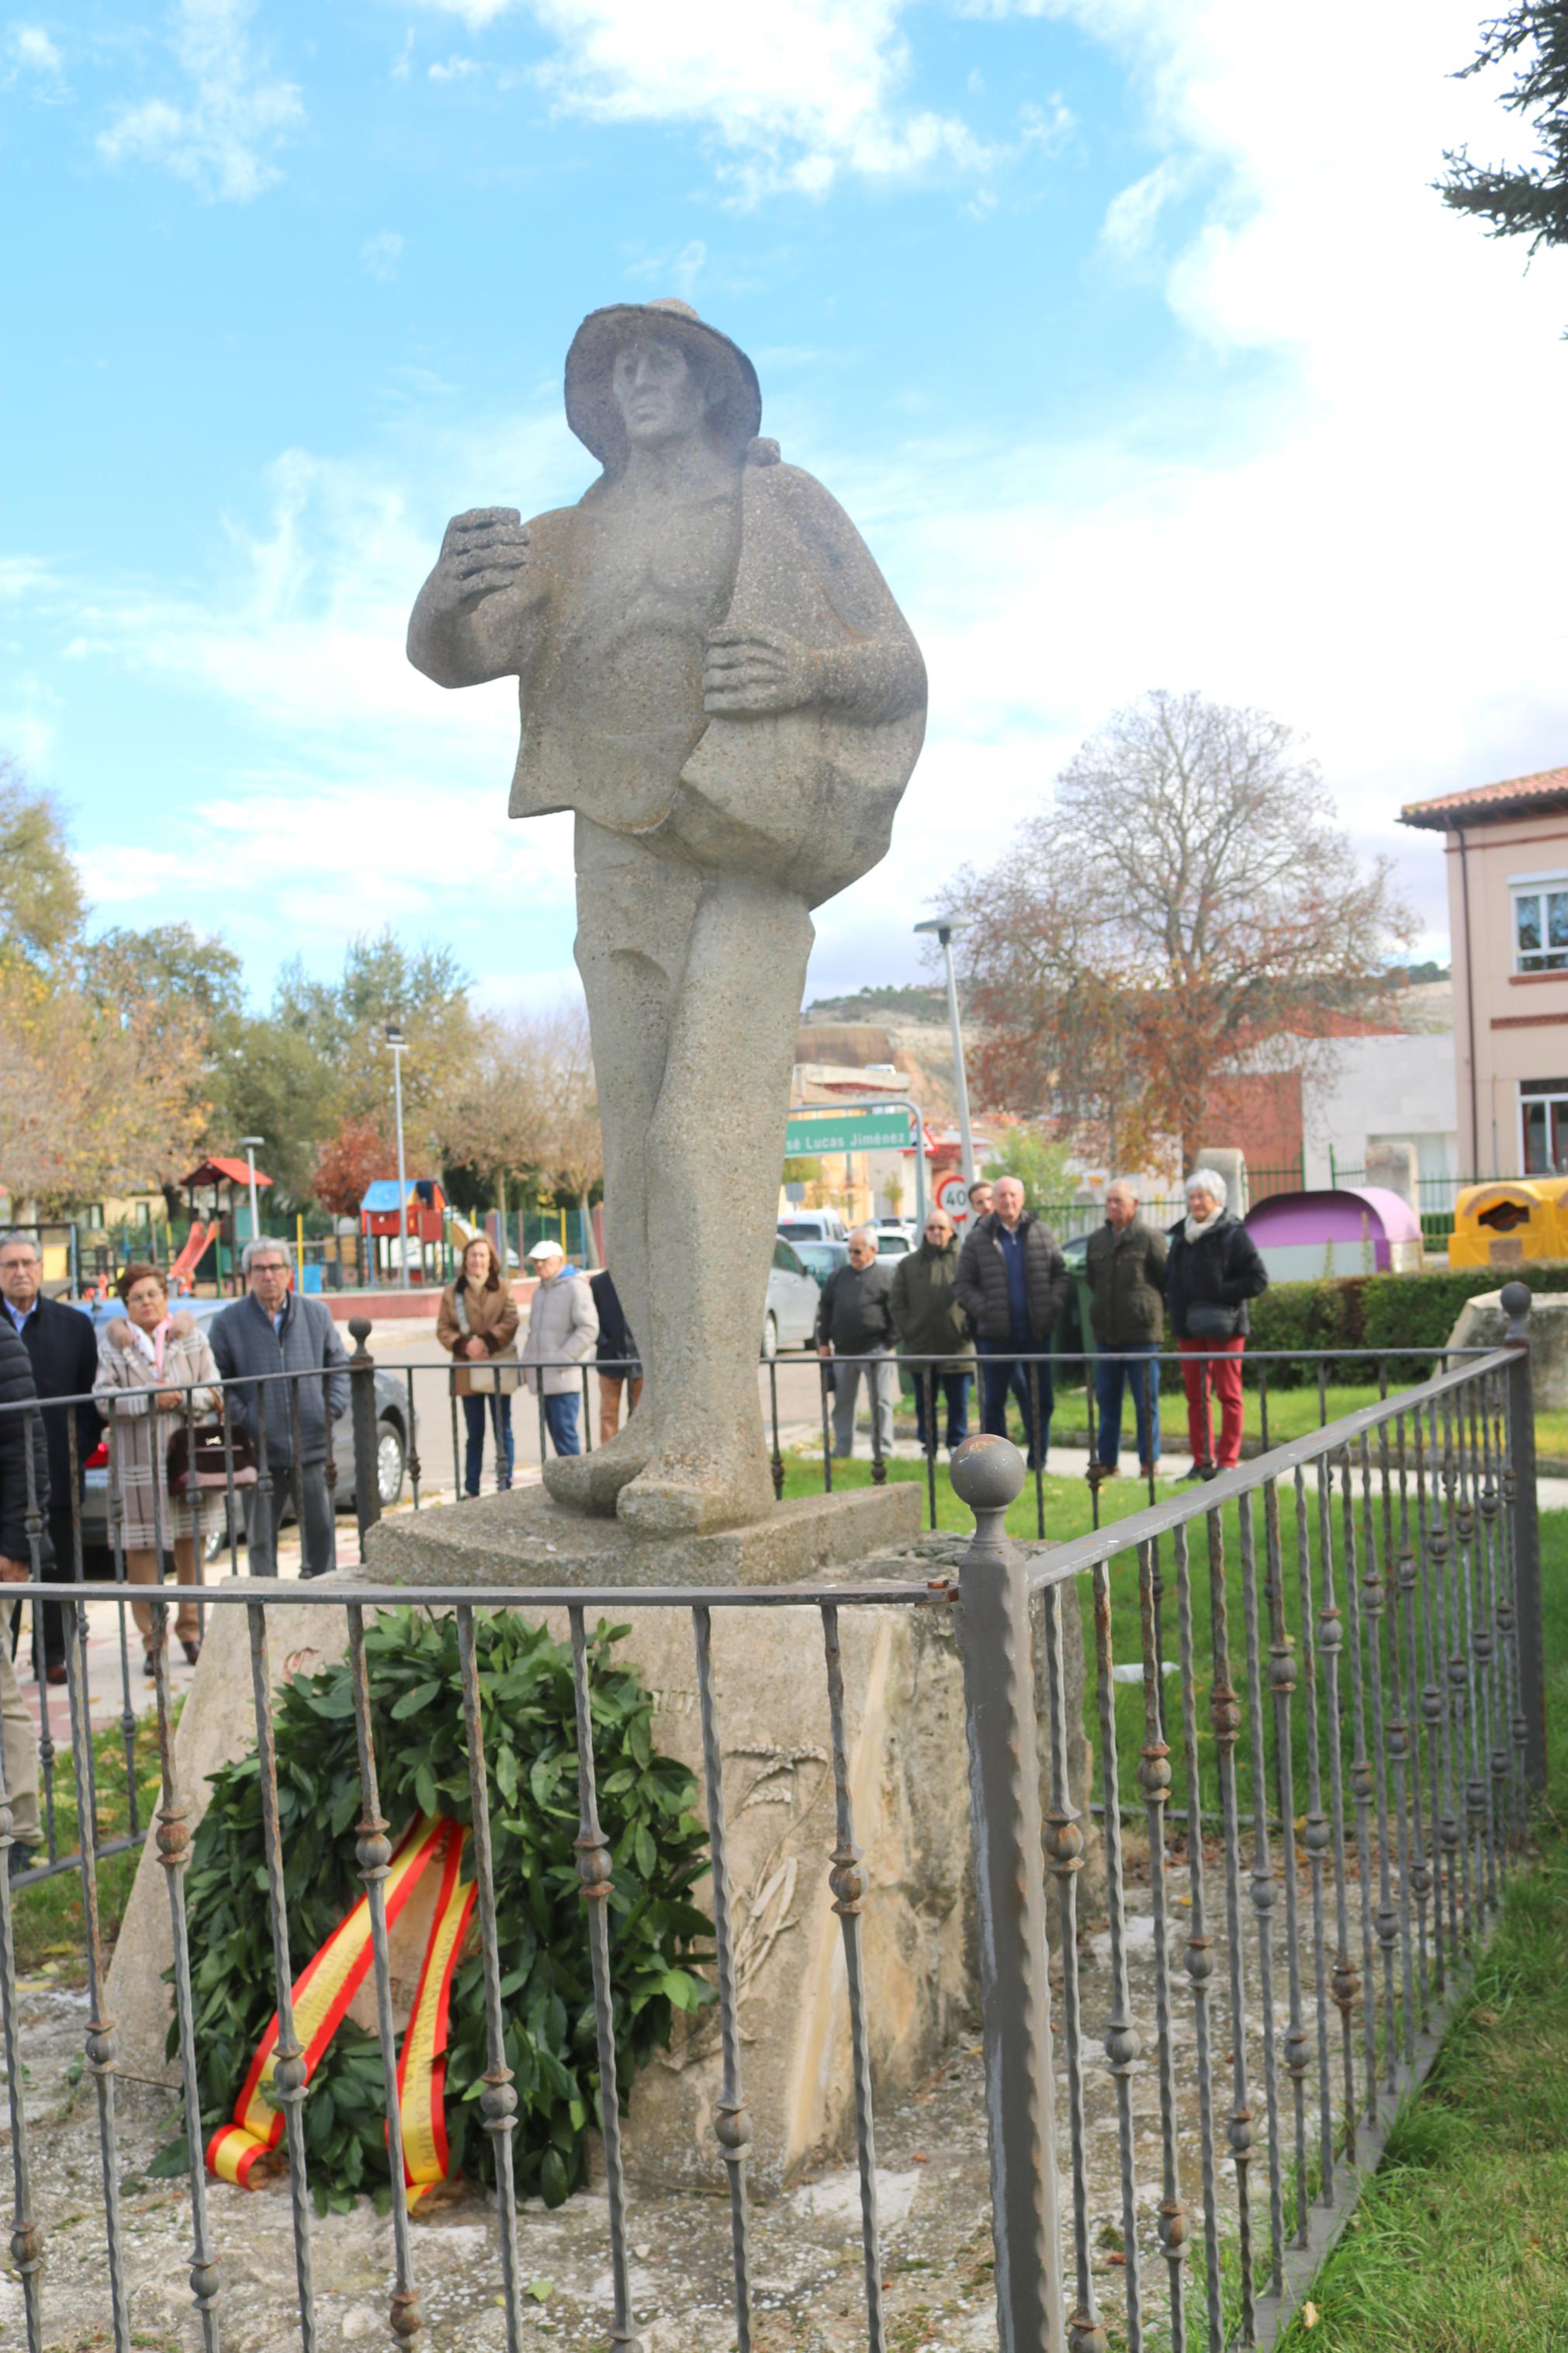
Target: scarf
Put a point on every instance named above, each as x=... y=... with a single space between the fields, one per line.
x=151 y=1344
x=1196 y=1229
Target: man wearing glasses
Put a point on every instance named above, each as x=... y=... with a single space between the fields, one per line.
x=854 y=1320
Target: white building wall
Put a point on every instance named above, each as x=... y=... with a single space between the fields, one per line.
x=1390 y=1090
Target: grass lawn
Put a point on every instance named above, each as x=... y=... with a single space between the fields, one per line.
x=1460 y=2244
x=1292 y=1412
x=48 y=1918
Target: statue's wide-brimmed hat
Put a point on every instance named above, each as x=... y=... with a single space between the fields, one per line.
x=591 y=411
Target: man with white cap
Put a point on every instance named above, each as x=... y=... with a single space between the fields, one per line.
x=563 y=1329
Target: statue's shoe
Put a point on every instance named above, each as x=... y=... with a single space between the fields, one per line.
x=682 y=1492
x=592 y=1482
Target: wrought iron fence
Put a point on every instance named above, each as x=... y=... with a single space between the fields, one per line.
x=1338 y=1797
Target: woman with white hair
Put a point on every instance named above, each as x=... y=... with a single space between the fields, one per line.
x=1212 y=1271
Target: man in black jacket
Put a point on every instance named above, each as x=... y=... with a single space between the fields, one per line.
x=855 y=1318
x=62 y=1349
x=615 y=1353
x=1012 y=1285
x=23 y=1493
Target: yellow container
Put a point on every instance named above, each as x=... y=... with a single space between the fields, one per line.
x=1504 y=1223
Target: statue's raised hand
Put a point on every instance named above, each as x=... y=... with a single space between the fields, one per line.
x=484 y=549
x=748 y=671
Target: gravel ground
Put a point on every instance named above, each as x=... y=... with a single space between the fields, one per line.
x=805 y=2245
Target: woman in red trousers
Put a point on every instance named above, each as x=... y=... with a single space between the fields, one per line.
x=1212 y=1271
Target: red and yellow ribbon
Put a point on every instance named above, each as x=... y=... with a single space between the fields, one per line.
x=326 y=1986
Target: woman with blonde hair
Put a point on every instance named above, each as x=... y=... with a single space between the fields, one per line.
x=477 y=1322
x=155 y=1372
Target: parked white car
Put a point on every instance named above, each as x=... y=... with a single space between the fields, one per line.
x=814 y=1226
x=790 y=1319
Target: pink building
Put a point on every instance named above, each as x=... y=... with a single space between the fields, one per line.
x=1507 y=847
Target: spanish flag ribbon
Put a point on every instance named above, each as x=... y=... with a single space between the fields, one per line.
x=326 y=1986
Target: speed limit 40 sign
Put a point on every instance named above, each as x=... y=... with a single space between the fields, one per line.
x=953 y=1195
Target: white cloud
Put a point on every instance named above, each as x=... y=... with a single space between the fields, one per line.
x=222 y=137
x=380 y=255
x=1362 y=531
x=1132 y=214
x=792 y=97
x=32 y=51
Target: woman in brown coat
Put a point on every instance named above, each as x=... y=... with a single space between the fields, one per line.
x=154 y=1370
x=477 y=1322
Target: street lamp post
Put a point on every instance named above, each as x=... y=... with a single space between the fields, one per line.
x=945 y=927
x=251 y=1143
x=397 y=1041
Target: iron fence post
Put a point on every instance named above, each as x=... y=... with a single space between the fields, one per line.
x=1528 y=1631
x=361 y=1407
x=988 y=1473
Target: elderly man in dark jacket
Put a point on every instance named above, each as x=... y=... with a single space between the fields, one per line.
x=24 y=1500
x=1012 y=1285
x=855 y=1318
x=273 y=1330
x=929 y=1323
x=62 y=1349
x=1125 y=1267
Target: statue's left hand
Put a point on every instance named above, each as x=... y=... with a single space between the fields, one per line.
x=748 y=671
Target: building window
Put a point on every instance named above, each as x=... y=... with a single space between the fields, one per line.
x=1541 y=930
x=1543 y=1125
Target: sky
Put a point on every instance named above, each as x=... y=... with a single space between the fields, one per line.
x=1130 y=333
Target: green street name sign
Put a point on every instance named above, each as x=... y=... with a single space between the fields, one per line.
x=809 y=1134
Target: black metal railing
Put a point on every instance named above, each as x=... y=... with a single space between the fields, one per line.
x=1356 y=1620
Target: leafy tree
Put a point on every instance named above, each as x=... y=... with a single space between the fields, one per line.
x=1523 y=200
x=1040 y=1166
x=97 y=1098
x=1187 y=900
x=267 y=1079
x=201 y=978
x=349 y=1162
x=40 y=892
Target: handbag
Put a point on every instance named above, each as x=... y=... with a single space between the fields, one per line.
x=493 y=1376
x=197 y=1461
x=1209 y=1321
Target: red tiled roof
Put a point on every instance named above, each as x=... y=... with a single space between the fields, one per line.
x=1516 y=797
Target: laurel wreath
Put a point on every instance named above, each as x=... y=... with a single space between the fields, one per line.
x=659 y=1936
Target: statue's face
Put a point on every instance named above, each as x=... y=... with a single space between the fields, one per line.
x=660 y=398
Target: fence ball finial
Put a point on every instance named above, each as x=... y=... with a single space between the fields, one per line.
x=1515 y=1302
x=987 y=1473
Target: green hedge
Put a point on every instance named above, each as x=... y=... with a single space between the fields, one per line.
x=1379 y=1311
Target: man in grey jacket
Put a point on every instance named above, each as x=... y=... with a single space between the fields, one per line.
x=855 y=1318
x=562 y=1334
x=274 y=1330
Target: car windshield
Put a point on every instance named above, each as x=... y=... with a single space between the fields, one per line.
x=797 y=1230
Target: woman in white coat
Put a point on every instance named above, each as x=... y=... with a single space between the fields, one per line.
x=154 y=1371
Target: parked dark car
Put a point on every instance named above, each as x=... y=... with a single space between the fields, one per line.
x=394 y=1440
x=820 y=1258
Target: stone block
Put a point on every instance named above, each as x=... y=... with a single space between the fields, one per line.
x=524 y=1538
x=1483 y=1325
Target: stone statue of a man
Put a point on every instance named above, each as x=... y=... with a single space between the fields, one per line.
x=715 y=678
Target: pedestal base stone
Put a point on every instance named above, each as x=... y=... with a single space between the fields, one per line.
x=524 y=1538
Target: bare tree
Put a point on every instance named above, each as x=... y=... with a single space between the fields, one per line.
x=1185 y=905
x=525 y=1106
x=573 y=1146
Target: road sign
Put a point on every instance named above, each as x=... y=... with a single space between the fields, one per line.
x=953 y=1195
x=807 y=1134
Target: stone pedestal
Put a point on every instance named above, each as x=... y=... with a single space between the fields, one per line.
x=1483 y=1325
x=908 y=1766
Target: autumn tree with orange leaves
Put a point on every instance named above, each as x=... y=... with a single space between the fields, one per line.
x=1184 y=906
